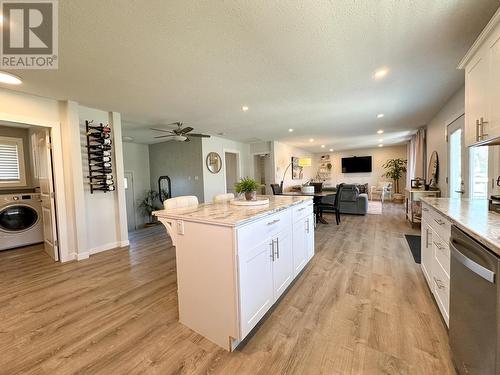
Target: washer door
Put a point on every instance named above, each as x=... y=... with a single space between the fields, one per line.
x=17 y=218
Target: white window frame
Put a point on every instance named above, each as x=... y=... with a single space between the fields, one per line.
x=22 y=165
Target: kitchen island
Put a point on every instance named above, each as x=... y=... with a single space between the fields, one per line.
x=234 y=262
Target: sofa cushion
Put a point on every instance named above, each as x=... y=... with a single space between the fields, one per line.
x=363 y=188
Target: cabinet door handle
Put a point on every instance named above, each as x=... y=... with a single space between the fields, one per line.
x=481 y=133
x=277 y=248
x=426 y=237
x=478 y=133
x=439 y=221
x=273 y=222
x=302 y=209
x=272 y=249
x=307 y=225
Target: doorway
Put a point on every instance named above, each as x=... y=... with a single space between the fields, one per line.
x=458 y=181
x=262 y=172
x=128 y=184
x=27 y=201
x=231 y=170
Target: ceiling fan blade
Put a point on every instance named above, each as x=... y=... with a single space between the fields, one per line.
x=163 y=136
x=162 y=130
x=199 y=135
x=187 y=140
x=177 y=123
x=187 y=130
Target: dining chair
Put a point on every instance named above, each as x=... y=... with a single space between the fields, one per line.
x=331 y=203
x=180 y=202
x=223 y=197
x=276 y=189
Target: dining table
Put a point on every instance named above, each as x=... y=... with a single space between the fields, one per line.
x=317 y=196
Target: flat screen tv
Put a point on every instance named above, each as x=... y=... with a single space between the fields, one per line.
x=357 y=164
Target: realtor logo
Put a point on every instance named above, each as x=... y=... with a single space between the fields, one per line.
x=28 y=34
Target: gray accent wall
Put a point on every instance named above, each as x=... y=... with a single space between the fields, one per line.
x=181 y=161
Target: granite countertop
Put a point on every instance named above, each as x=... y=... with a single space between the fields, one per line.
x=473 y=217
x=230 y=215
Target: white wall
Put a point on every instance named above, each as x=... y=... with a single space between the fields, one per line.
x=102 y=210
x=379 y=156
x=436 y=135
x=282 y=157
x=215 y=183
x=136 y=160
x=76 y=223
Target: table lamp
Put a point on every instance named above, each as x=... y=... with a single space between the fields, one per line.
x=303 y=162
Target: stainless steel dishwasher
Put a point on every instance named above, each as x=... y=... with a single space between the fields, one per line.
x=474 y=306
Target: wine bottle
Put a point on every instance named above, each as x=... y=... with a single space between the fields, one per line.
x=98 y=135
x=105 y=141
x=102 y=183
x=105 y=165
x=100 y=153
x=105 y=188
x=102 y=177
x=101 y=158
x=101 y=128
x=105 y=147
x=101 y=170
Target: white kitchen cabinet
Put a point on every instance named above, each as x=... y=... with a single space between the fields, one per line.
x=435 y=253
x=234 y=263
x=310 y=237
x=299 y=246
x=256 y=284
x=482 y=86
x=426 y=251
x=282 y=263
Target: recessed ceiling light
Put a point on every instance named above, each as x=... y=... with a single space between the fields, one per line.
x=10 y=79
x=244 y=108
x=322 y=146
x=381 y=140
x=381 y=73
x=331 y=150
x=381 y=145
x=290 y=130
x=380 y=131
x=380 y=115
x=311 y=139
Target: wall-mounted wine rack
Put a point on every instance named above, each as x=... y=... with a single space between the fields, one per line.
x=99 y=155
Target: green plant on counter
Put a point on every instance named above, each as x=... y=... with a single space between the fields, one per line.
x=396 y=168
x=246 y=185
x=148 y=204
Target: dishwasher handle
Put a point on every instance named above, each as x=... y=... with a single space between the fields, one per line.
x=471 y=265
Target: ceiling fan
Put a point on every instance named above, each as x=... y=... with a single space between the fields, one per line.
x=180 y=134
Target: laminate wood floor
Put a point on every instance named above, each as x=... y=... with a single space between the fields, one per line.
x=360 y=307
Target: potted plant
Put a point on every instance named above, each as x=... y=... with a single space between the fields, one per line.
x=395 y=168
x=147 y=205
x=248 y=186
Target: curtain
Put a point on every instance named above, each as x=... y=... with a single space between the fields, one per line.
x=416 y=156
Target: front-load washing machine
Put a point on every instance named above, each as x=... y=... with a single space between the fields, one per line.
x=20 y=220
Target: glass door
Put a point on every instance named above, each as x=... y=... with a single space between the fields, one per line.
x=457 y=172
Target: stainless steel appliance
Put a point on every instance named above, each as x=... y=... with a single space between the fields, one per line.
x=474 y=306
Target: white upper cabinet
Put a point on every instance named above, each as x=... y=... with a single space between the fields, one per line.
x=482 y=86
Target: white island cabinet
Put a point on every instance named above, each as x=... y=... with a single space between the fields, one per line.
x=234 y=262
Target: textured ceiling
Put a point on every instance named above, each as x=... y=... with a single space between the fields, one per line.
x=305 y=65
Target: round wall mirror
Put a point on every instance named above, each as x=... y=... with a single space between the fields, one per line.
x=214 y=162
x=433 y=171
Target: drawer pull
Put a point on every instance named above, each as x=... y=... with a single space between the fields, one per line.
x=302 y=209
x=273 y=222
x=439 y=284
x=439 y=221
x=438 y=245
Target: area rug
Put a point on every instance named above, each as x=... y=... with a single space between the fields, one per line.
x=374 y=207
x=414 y=244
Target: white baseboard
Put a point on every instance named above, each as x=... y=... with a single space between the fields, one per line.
x=68 y=258
x=124 y=243
x=82 y=256
x=109 y=246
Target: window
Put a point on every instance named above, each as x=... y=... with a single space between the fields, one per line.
x=12 y=169
x=479 y=172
